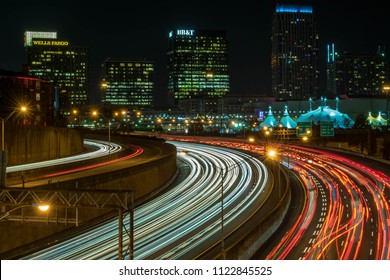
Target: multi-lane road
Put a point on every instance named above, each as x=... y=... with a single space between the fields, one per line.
x=186 y=220
x=343 y=214
x=340 y=208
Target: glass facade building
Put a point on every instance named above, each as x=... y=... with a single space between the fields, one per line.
x=294 y=58
x=360 y=74
x=331 y=58
x=62 y=65
x=129 y=83
x=198 y=64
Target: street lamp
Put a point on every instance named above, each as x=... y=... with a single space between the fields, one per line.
x=96 y=113
x=274 y=155
x=42 y=207
x=3 y=158
x=266 y=135
x=386 y=90
x=223 y=172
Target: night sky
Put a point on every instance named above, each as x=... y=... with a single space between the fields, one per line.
x=139 y=30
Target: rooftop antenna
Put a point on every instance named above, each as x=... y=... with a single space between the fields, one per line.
x=285 y=110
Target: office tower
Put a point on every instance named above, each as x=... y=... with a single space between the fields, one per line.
x=128 y=82
x=63 y=65
x=198 y=64
x=294 y=57
x=361 y=74
x=331 y=59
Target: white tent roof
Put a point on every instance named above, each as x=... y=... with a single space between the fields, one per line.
x=323 y=114
x=270 y=120
x=287 y=121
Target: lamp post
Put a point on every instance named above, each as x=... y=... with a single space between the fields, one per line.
x=386 y=90
x=273 y=155
x=222 y=173
x=95 y=113
x=3 y=158
x=42 y=207
x=222 y=215
x=266 y=135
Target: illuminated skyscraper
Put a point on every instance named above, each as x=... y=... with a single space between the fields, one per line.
x=361 y=74
x=198 y=64
x=331 y=71
x=62 y=65
x=128 y=82
x=294 y=58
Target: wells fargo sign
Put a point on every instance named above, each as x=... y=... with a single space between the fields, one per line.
x=50 y=43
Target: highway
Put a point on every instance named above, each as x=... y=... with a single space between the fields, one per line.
x=186 y=219
x=344 y=214
x=341 y=210
x=341 y=205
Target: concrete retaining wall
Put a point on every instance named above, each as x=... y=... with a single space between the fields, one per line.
x=28 y=143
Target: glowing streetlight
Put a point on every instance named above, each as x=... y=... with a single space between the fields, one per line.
x=40 y=206
x=96 y=113
x=273 y=155
x=266 y=133
x=3 y=157
x=43 y=207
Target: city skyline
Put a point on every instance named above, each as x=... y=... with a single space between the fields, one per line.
x=141 y=32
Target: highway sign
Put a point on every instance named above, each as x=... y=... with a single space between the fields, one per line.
x=326 y=129
x=304 y=129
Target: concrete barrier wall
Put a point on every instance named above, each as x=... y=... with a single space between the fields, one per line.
x=145 y=178
x=256 y=238
x=28 y=143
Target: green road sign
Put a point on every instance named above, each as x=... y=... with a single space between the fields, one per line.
x=326 y=129
x=304 y=129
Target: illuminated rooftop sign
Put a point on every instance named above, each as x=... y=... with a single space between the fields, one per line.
x=183 y=32
x=30 y=35
x=50 y=43
x=293 y=9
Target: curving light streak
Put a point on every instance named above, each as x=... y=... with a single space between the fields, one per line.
x=104 y=148
x=352 y=216
x=187 y=218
